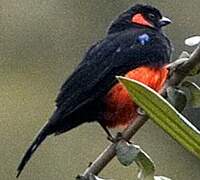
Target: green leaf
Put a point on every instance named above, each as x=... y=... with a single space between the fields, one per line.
x=194 y=90
x=164 y=114
x=129 y=153
x=126 y=153
x=177 y=98
x=146 y=166
x=192 y=41
x=195 y=71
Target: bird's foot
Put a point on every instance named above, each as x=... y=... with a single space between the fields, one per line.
x=117 y=138
x=90 y=163
x=140 y=111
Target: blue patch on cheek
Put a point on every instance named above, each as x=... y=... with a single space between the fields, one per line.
x=143 y=39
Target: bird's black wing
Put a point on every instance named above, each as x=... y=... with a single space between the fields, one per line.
x=115 y=55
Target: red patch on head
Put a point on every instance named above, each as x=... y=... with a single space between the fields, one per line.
x=139 y=19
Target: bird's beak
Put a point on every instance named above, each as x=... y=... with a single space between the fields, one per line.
x=164 y=21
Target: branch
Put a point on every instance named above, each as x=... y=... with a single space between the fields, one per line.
x=180 y=72
x=184 y=70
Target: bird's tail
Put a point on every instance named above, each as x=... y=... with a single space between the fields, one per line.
x=40 y=137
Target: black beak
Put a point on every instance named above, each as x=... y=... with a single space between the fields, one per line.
x=164 y=21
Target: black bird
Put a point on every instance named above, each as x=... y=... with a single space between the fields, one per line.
x=134 y=46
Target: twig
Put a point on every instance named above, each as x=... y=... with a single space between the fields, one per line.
x=177 y=76
x=184 y=70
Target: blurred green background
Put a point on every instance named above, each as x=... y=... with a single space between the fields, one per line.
x=41 y=41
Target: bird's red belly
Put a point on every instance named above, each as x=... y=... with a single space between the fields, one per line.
x=120 y=109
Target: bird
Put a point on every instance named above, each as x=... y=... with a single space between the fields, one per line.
x=134 y=46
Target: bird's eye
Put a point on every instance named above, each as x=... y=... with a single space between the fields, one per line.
x=151 y=16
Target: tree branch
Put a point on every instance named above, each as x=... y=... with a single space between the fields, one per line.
x=177 y=76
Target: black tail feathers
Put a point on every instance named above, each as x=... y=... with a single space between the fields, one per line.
x=57 y=125
x=43 y=133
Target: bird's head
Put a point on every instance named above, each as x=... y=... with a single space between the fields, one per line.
x=139 y=15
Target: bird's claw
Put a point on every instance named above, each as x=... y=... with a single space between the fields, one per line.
x=140 y=111
x=117 y=138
